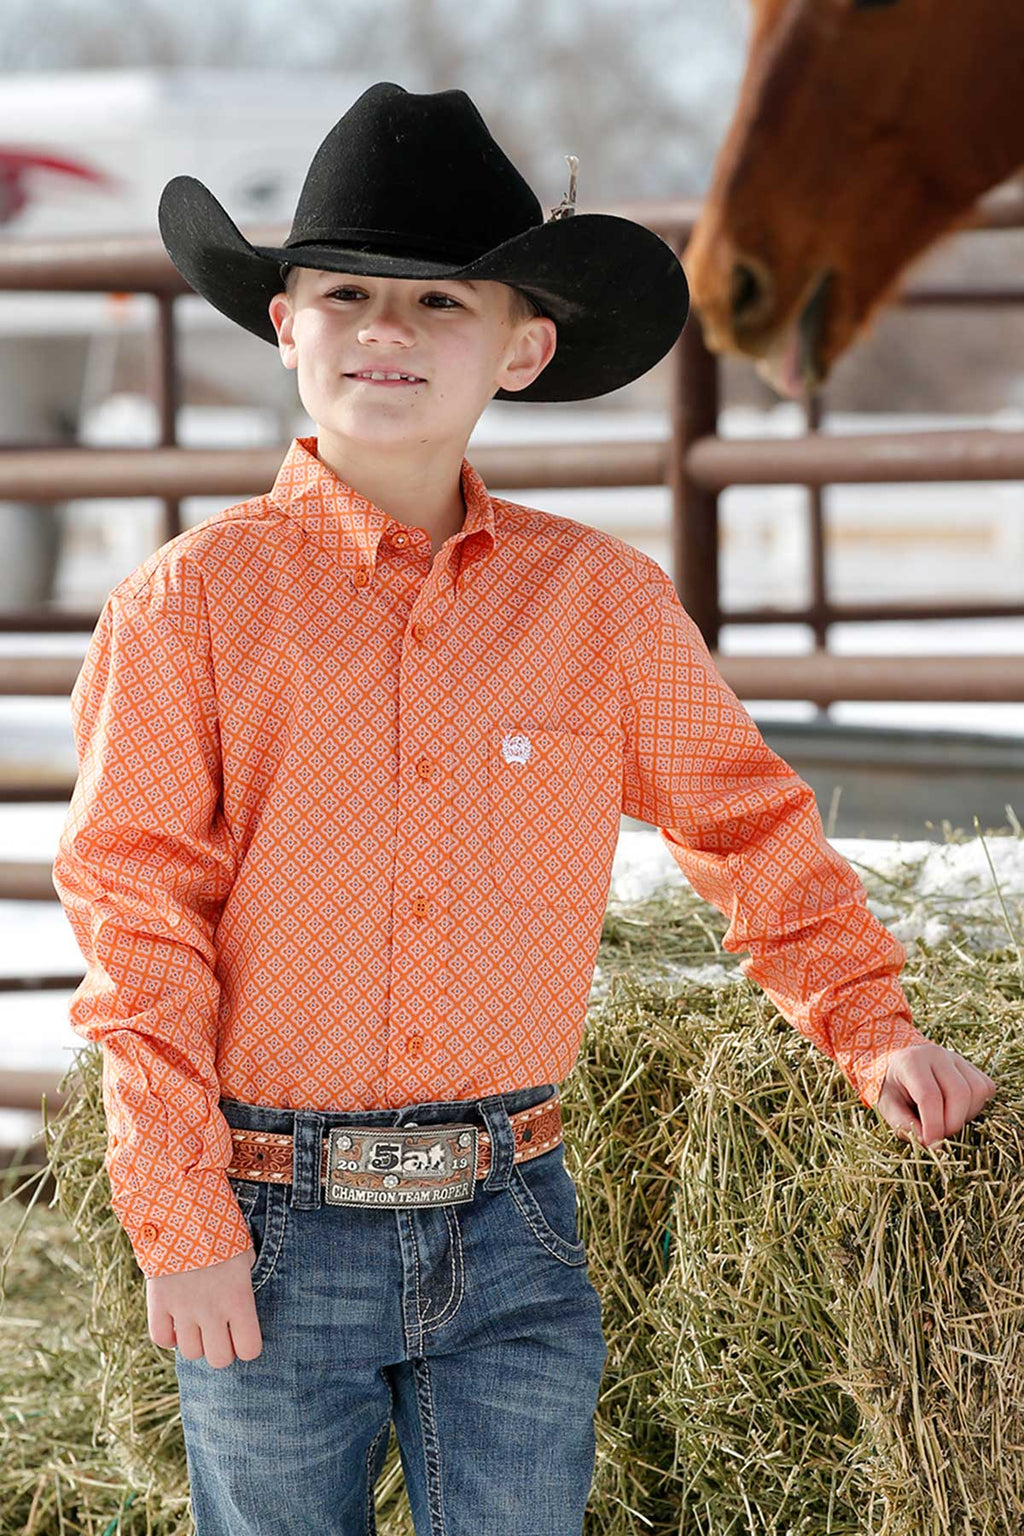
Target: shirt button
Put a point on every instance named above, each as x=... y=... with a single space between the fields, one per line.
x=420 y=906
x=148 y=1233
x=399 y=538
x=425 y=768
x=415 y=1044
x=360 y=577
x=419 y=632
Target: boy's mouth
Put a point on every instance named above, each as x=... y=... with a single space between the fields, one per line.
x=376 y=376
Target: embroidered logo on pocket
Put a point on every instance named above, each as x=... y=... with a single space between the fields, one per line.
x=515 y=749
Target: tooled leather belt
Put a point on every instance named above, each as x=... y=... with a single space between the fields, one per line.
x=385 y=1165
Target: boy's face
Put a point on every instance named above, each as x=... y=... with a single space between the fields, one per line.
x=456 y=336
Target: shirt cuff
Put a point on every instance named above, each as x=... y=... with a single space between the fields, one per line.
x=195 y=1223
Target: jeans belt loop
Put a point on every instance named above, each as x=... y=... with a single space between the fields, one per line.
x=308 y=1134
x=503 y=1145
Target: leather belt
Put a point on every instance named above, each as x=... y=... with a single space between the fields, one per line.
x=386 y=1165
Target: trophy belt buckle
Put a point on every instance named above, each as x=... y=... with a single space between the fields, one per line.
x=400 y=1166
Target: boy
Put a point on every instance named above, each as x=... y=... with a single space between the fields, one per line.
x=353 y=756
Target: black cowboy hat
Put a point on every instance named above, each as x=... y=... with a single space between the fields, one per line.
x=409 y=185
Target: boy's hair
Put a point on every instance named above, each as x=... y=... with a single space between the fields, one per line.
x=520 y=305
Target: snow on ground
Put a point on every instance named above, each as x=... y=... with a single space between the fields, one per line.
x=932 y=884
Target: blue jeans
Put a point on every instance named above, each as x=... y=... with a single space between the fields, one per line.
x=474 y=1327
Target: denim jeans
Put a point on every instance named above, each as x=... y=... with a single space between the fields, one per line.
x=474 y=1327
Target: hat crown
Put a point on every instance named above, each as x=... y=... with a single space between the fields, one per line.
x=413 y=172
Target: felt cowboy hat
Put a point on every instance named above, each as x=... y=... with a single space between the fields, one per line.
x=414 y=185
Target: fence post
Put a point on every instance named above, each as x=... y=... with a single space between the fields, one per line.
x=693 y=393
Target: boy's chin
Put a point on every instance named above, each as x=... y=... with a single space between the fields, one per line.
x=371 y=427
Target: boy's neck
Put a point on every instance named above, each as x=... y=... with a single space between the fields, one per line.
x=421 y=490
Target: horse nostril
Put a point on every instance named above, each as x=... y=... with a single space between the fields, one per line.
x=746 y=290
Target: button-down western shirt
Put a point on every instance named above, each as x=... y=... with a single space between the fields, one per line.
x=343 y=828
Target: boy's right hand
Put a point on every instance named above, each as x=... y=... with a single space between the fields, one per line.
x=208 y=1311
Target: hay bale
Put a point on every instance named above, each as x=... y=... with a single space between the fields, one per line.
x=813 y=1326
x=834 y=1343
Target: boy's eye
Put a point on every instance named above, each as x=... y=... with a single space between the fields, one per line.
x=445 y=296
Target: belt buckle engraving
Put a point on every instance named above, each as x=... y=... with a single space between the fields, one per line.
x=401 y=1166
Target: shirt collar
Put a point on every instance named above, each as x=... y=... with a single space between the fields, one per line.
x=339 y=518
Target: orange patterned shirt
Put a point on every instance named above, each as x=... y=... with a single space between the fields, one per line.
x=343 y=828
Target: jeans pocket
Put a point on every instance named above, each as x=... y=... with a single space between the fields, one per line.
x=545 y=1196
x=264 y=1207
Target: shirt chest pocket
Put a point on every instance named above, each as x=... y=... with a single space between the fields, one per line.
x=554 y=803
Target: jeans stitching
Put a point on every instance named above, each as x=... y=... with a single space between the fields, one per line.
x=428 y=1430
x=416 y=1283
x=545 y=1234
x=371 y=1510
x=274 y=1231
x=246 y=1198
x=458 y=1287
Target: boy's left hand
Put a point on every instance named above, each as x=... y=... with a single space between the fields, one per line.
x=931 y=1092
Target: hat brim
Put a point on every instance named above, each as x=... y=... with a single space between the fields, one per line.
x=616 y=290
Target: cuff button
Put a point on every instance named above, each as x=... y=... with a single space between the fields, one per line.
x=148 y=1232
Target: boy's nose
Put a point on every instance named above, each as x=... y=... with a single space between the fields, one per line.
x=384 y=317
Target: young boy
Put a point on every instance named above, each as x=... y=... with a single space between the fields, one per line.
x=353 y=756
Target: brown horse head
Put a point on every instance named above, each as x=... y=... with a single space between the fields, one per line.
x=865 y=130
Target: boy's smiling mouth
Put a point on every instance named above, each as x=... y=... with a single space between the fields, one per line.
x=386 y=377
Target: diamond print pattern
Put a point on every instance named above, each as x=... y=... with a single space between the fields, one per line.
x=302 y=872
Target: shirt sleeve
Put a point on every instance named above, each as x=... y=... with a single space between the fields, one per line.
x=144 y=864
x=745 y=830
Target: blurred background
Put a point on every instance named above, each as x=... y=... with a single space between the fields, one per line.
x=101 y=106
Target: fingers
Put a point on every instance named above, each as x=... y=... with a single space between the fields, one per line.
x=190 y=1338
x=932 y=1092
x=161 y=1327
x=966 y=1090
x=207 y=1311
x=212 y=1339
x=946 y=1091
x=245 y=1333
x=221 y=1339
x=217 y=1345
x=929 y=1097
x=982 y=1085
x=910 y=1132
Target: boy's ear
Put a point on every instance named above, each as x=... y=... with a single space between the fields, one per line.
x=280 y=311
x=534 y=350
